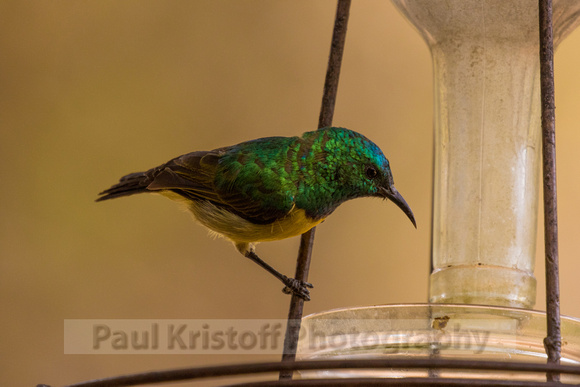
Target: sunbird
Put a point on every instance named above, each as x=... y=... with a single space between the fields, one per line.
x=270 y=188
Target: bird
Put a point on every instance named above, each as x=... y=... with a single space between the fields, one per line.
x=270 y=188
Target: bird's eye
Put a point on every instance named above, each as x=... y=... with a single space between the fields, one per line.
x=371 y=172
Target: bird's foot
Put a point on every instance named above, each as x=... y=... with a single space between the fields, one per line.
x=293 y=286
x=299 y=288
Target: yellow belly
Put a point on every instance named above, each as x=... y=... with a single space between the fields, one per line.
x=238 y=229
x=293 y=224
x=242 y=232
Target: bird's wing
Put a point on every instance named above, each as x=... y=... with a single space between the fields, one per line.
x=255 y=204
x=251 y=178
x=246 y=189
x=190 y=175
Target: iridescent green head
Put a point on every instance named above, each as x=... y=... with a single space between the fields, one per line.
x=347 y=165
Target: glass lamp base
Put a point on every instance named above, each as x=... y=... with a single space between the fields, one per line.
x=446 y=331
x=485 y=285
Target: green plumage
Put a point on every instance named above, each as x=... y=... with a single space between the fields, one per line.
x=270 y=188
x=265 y=178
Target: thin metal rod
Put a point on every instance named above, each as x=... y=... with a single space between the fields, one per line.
x=184 y=374
x=412 y=381
x=553 y=341
x=324 y=120
x=334 y=63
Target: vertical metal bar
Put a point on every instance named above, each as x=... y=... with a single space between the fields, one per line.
x=334 y=63
x=553 y=341
x=324 y=120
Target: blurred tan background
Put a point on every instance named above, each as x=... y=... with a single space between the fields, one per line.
x=92 y=90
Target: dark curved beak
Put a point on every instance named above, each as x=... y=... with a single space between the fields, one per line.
x=393 y=195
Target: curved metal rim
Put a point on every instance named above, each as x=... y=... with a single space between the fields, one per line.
x=399 y=363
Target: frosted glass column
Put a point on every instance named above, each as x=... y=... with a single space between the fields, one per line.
x=487 y=144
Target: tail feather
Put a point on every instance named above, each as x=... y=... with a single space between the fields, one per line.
x=131 y=184
x=188 y=175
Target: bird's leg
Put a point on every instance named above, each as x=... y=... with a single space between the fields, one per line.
x=300 y=288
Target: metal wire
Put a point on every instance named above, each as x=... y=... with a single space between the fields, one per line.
x=367 y=364
x=553 y=340
x=324 y=120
